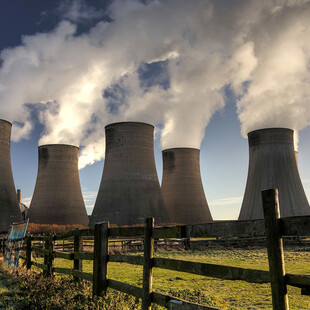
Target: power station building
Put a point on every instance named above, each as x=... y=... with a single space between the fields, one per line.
x=273 y=164
x=129 y=190
x=57 y=197
x=22 y=207
x=182 y=188
x=9 y=206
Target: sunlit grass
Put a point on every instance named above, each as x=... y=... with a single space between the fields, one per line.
x=224 y=294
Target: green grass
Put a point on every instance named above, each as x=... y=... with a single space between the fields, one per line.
x=223 y=294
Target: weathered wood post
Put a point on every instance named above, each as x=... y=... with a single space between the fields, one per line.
x=187 y=240
x=275 y=249
x=49 y=257
x=148 y=263
x=78 y=247
x=45 y=261
x=51 y=253
x=101 y=258
x=28 y=252
x=3 y=248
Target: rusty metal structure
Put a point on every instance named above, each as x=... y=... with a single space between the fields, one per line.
x=57 y=197
x=9 y=207
x=182 y=188
x=129 y=190
x=273 y=164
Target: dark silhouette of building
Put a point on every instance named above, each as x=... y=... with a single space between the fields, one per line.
x=182 y=188
x=22 y=207
x=57 y=197
x=9 y=208
x=129 y=190
x=272 y=164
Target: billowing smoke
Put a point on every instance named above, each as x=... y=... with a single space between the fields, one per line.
x=163 y=62
x=278 y=94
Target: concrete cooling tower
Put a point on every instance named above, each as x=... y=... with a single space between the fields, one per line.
x=272 y=164
x=182 y=187
x=129 y=190
x=57 y=197
x=9 y=207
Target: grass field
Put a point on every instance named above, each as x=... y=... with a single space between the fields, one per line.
x=223 y=294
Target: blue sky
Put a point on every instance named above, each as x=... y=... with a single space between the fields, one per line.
x=216 y=89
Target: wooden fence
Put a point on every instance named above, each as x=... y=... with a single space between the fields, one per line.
x=273 y=227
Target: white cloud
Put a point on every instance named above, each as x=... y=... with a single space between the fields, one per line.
x=26 y=201
x=225 y=208
x=89 y=196
x=279 y=90
x=226 y=201
x=78 y=11
x=89 y=209
x=260 y=48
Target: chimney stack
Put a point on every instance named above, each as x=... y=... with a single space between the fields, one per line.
x=19 y=195
x=57 y=197
x=129 y=190
x=9 y=208
x=182 y=188
x=272 y=164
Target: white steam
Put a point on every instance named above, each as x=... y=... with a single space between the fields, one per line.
x=278 y=94
x=78 y=83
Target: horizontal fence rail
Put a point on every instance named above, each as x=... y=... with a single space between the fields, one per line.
x=101 y=238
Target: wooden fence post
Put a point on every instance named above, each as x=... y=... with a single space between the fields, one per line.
x=148 y=263
x=187 y=240
x=3 y=248
x=45 y=261
x=48 y=258
x=101 y=258
x=28 y=252
x=78 y=247
x=51 y=253
x=275 y=249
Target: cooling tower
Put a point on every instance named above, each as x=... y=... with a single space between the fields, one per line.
x=9 y=207
x=182 y=187
x=272 y=164
x=57 y=197
x=129 y=190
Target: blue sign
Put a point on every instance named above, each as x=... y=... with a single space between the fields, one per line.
x=14 y=243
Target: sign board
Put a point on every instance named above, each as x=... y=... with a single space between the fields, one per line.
x=14 y=243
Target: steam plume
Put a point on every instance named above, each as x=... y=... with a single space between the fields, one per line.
x=78 y=83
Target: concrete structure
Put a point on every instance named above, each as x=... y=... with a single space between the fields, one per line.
x=129 y=190
x=182 y=188
x=9 y=208
x=272 y=164
x=19 y=195
x=22 y=207
x=57 y=197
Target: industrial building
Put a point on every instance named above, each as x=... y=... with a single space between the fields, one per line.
x=273 y=164
x=182 y=188
x=9 y=207
x=57 y=197
x=129 y=190
x=22 y=207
